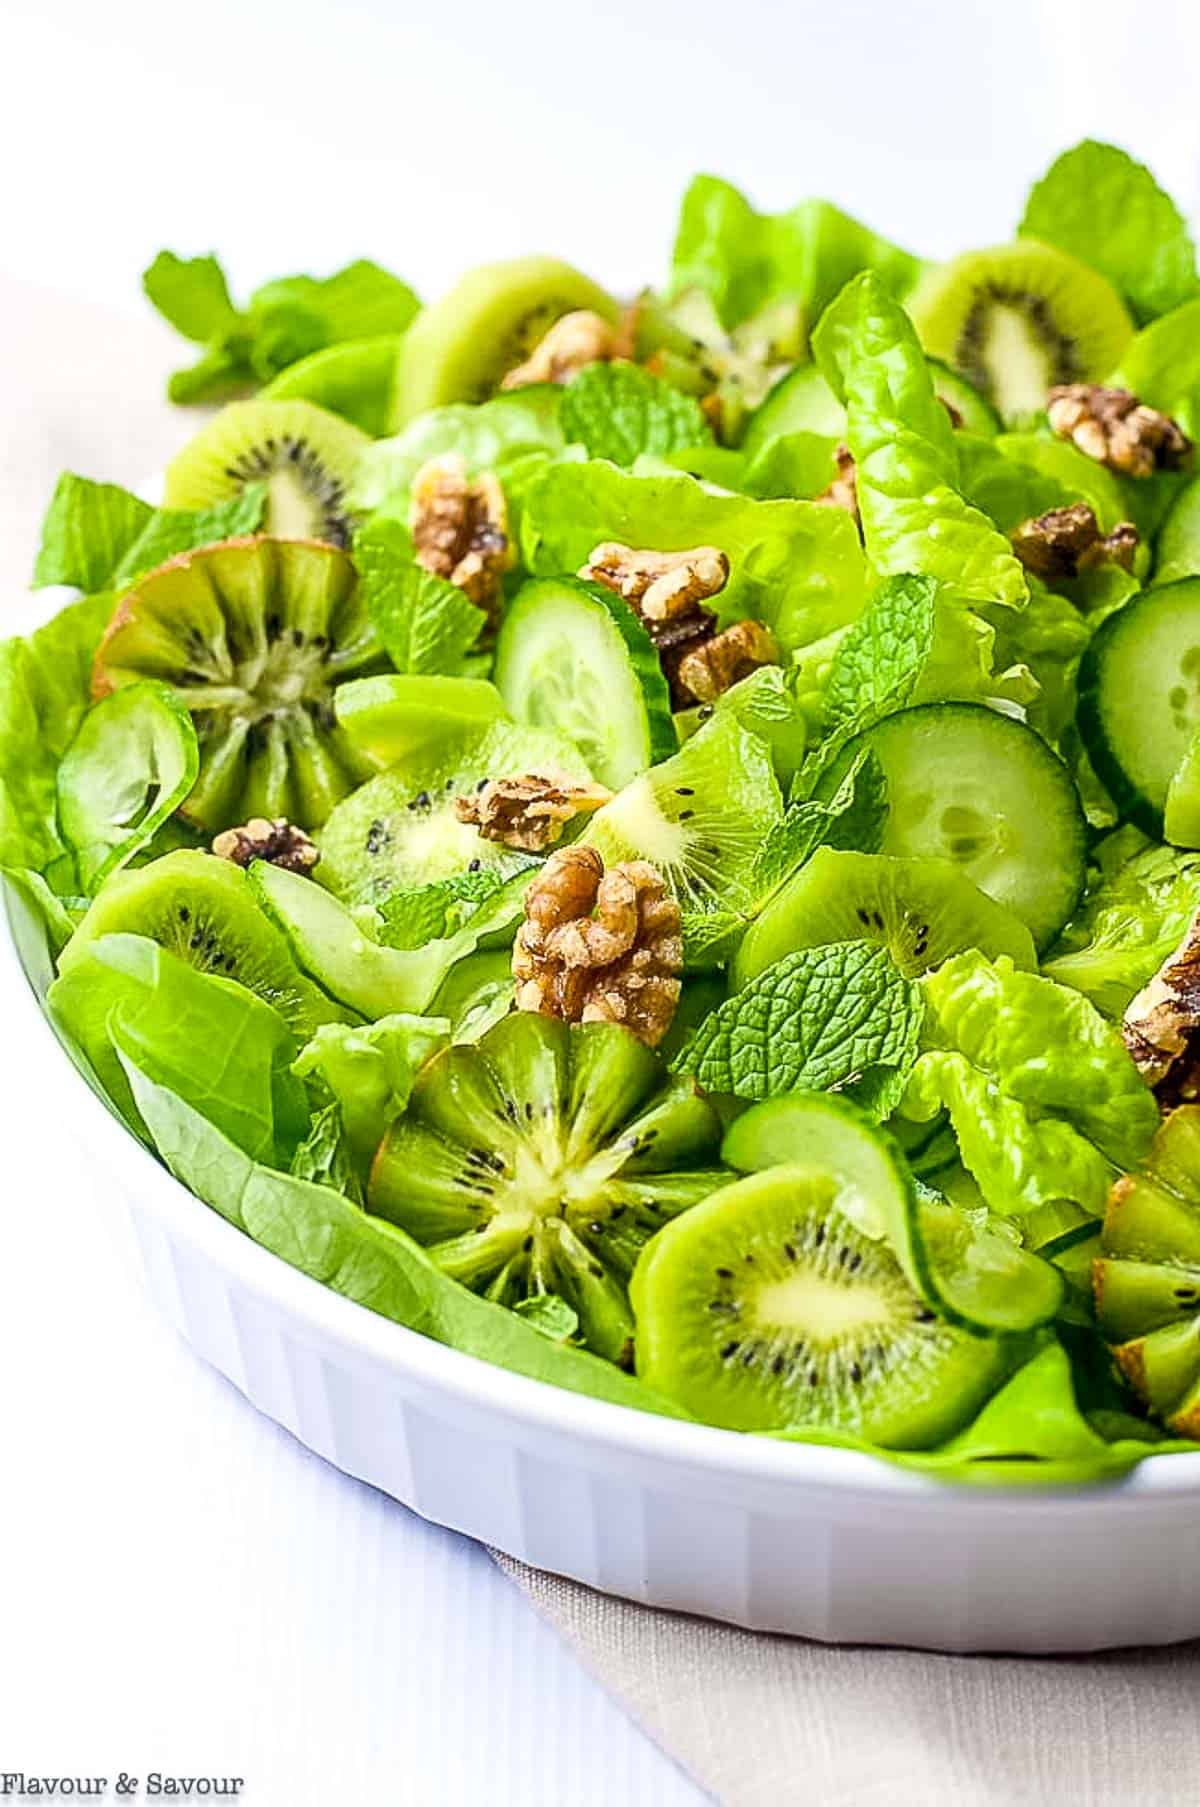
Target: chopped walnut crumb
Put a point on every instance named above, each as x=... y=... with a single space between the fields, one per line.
x=714 y=666
x=574 y=341
x=278 y=842
x=1064 y=541
x=600 y=947
x=460 y=529
x=1113 y=427
x=843 y=491
x=660 y=585
x=529 y=811
x=1162 y=1023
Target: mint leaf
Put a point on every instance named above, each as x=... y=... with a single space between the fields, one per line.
x=710 y=937
x=815 y=1021
x=170 y=531
x=424 y=623
x=882 y=655
x=1106 y=209
x=191 y=292
x=620 y=411
x=88 y=528
x=852 y=818
x=440 y=908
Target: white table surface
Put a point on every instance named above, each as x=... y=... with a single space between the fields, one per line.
x=182 y=1587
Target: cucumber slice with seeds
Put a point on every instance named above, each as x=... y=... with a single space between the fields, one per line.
x=575 y=658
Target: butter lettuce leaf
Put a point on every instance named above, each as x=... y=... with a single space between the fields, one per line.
x=1161 y=364
x=496 y=435
x=914 y=517
x=1101 y=205
x=369 y=1070
x=1130 y=923
x=98 y=536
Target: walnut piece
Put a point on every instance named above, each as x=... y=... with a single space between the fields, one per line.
x=1064 y=541
x=843 y=491
x=600 y=947
x=577 y=339
x=714 y=666
x=660 y=585
x=277 y=842
x=1161 y=1025
x=529 y=811
x=1113 y=427
x=460 y=529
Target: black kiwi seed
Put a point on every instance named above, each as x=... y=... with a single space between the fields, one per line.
x=729 y=1351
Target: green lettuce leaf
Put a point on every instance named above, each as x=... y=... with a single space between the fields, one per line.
x=795 y=565
x=364 y=1258
x=818 y=1020
x=207 y=1039
x=914 y=517
x=1162 y=366
x=98 y=536
x=192 y=295
x=744 y=259
x=170 y=531
x=620 y=412
x=369 y=1070
x=496 y=435
x=1131 y=922
x=324 y=1157
x=1043 y=1096
x=1102 y=206
x=424 y=623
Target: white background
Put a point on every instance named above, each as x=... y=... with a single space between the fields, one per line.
x=182 y=1587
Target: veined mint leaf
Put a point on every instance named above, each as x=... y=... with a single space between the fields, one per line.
x=428 y=912
x=88 y=528
x=853 y=818
x=620 y=411
x=817 y=1020
x=882 y=655
x=424 y=623
x=170 y=531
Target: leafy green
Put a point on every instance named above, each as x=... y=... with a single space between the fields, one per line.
x=1131 y=922
x=854 y=817
x=364 y=1258
x=496 y=435
x=792 y=464
x=170 y=531
x=424 y=623
x=429 y=912
x=795 y=565
x=369 y=1071
x=209 y=1040
x=1042 y=1094
x=98 y=536
x=1077 y=477
x=324 y=1156
x=818 y=1020
x=744 y=259
x=132 y=763
x=620 y=411
x=1047 y=637
x=1106 y=209
x=1161 y=365
x=913 y=514
x=284 y=321
x=883 y=654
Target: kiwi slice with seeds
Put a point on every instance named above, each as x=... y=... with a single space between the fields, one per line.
x=461 y=348
x=204 y=911
x=541 y=1159
x=1019 y=318
x=305 y=455
x=765 y=1309
x=252 y=636
x=401 y=830
x=921 y=910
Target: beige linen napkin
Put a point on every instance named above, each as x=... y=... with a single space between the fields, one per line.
x=758 y=1721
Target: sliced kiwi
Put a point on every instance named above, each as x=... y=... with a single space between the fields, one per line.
x=252 y=636
x=539 y=1161
x=203 y=910
x=700 y=817
x=764 y=1308
x=401 y=829
x=1018 y=318
x=356 y=380
x=684 y=342
x=460 y=349
x=305 y=455
x=921 y=910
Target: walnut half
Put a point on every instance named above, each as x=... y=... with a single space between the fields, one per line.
x=1064 y=541
x=460 y=529
x=277 y=842
x=710 y=668
x=574 y=341
x=1113 y=427
x=1161 y=1028
x=600 y=947
x=529 y=811
x=660 y=585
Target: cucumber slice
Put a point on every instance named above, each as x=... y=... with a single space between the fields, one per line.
x=397 y=715
x=972 y=786
x=1139 y=698
x=960 y=397
x=575 y=658
x=922 y=911
x=976 y=1278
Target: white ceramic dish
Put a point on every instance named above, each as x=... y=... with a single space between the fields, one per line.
x=781 y=1537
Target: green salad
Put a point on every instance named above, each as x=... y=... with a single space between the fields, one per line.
x=656 y=841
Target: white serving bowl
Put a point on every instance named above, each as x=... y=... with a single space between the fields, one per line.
x=782 y=1537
